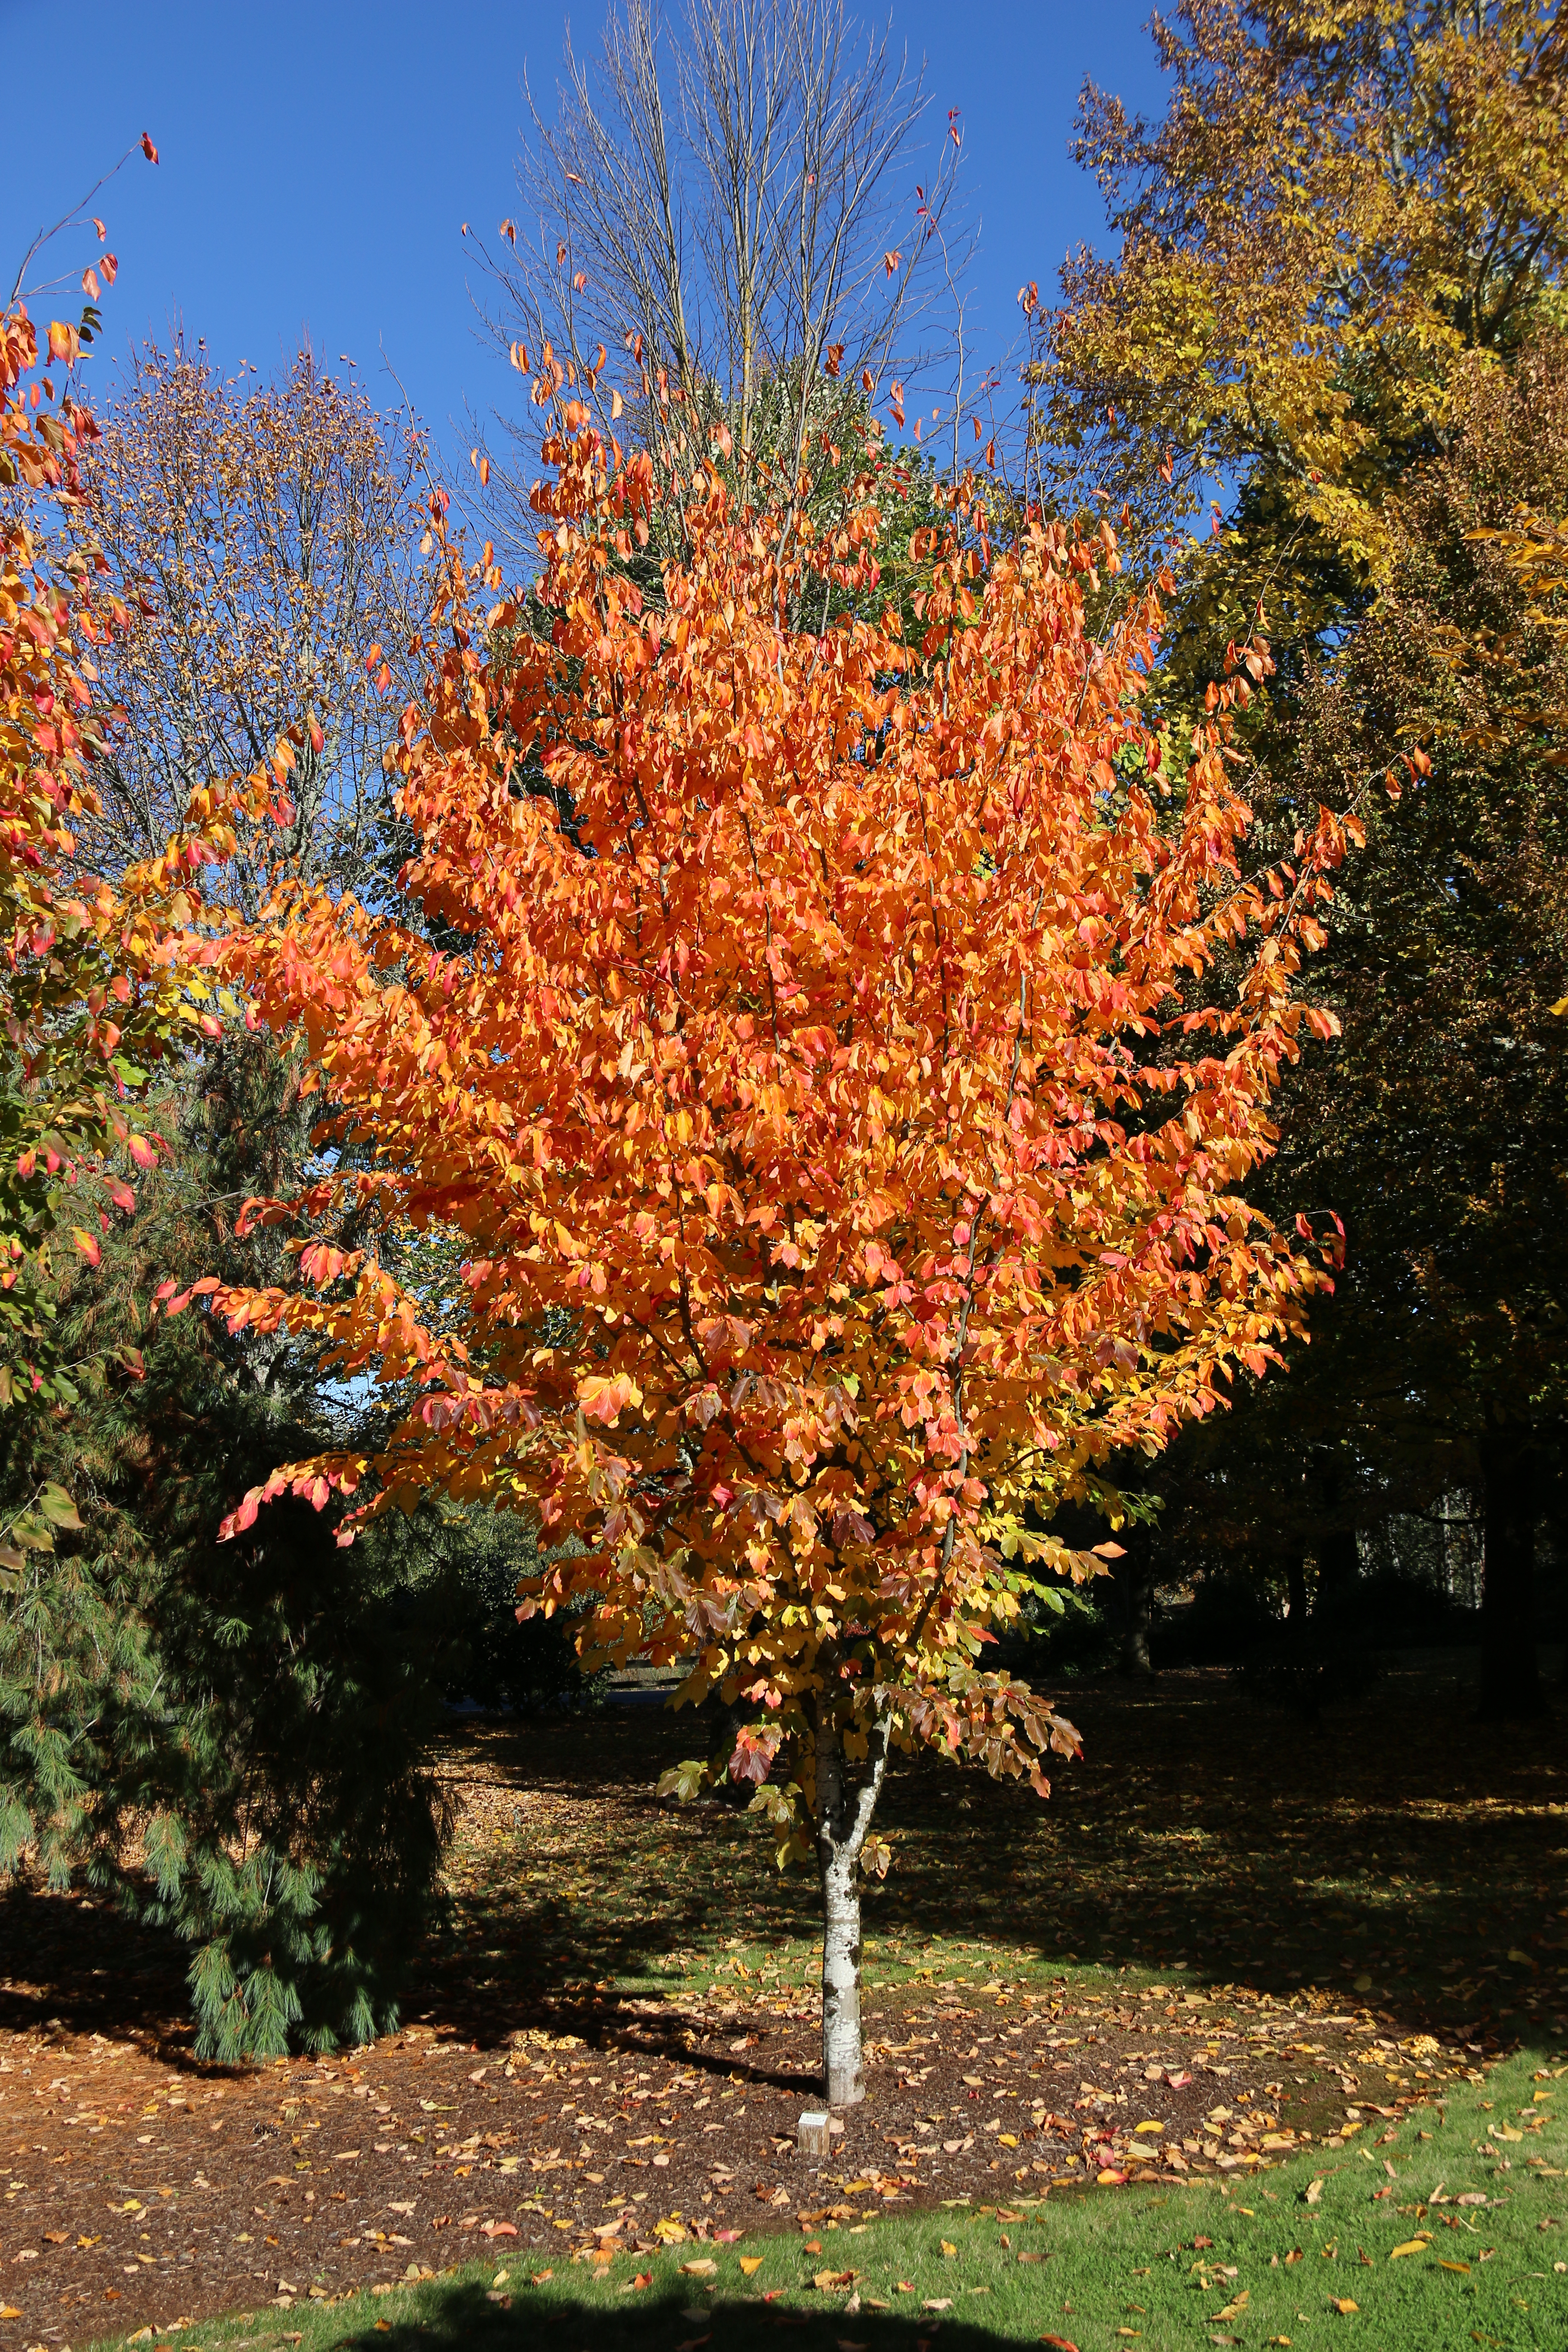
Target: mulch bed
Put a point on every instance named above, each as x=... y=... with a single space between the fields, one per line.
x=146 y=2190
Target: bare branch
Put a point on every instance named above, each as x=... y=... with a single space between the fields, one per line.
x=733 y=213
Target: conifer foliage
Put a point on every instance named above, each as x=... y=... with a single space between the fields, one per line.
x=843 y=1152
x=231 y=1740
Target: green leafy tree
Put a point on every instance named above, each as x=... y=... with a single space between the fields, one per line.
x=1333 y=311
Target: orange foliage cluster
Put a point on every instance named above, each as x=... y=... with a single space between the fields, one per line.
x=830 y=1096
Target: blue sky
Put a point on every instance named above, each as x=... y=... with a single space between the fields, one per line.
x=318 y=161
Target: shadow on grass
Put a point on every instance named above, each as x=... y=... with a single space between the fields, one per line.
x=468 y=2316
x=1203 y=1832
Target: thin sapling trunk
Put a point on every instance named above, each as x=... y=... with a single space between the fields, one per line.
x=843 y=1811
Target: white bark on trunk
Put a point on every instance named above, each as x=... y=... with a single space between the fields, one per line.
x=843 y=1817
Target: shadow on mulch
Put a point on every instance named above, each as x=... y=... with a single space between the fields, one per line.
x=77 y=1967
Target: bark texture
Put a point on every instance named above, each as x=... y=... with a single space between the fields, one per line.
x=845 y=1805
x=1137 y=1582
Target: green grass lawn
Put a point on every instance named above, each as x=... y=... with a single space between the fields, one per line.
x=1303 y=2255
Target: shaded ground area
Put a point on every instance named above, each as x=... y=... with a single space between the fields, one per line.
x=612 y=2032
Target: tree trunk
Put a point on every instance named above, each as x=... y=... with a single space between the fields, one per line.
x=844 y=1812
x=1295 y=1576
x=1339 y=1565
x=1510 y=1675
x=1137 y=1581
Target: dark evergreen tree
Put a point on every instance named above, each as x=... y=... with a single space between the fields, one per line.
x=232 y=1738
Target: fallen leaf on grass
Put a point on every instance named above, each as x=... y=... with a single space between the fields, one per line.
x=705 y=2268
x=1233 y=2310
x=1412 y=2246
x=1343 y=2304
x=750 y=2265
x=1312 y=2191
x=937 y=2303
x=1443 y=2265
x=1059 y=2343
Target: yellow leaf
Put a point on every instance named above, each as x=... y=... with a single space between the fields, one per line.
x=1443 y=2264
x=1412 y=2246
x=750 y=2265
x=1149 y=2127
x=1343 y=2304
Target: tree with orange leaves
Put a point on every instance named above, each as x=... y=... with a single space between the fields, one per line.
x=97 y=983
x=820 y=1107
